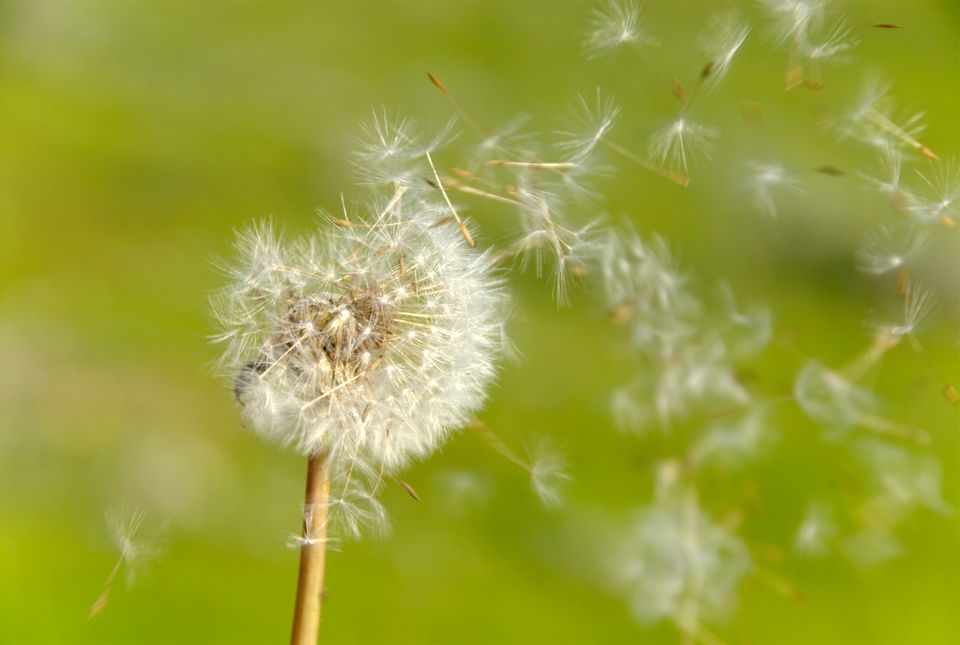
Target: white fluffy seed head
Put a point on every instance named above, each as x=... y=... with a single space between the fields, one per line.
x=368 y=341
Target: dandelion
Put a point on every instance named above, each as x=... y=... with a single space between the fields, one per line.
x=614 y=25
x=890 y=248
x=681 y=143
x=362 y=347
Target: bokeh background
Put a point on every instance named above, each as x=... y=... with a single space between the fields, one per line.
x=136 y=135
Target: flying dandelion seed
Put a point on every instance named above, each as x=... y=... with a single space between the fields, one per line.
x=548 y=474
x=615 y=25
x=830 y=399
x=817 y=530
x=766 y=180
x=875 y=121
x=794 y=20
x=676 y=564
x=938 y=203
x=681 y=143
x=725 y=35
x=918 y=306
x=137 y=544
x=591 y=122
x=890 y=248
x=837 y=42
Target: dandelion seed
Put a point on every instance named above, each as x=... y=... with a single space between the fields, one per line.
x=391 y=150
x=137 y=546
x=614 y=25
x=793 y=20
x=868 y=548
x=750 y=329
x=918 y=305
x=817 y=530
x=681 y=143
x=873 y=121
x=902 y=480
x=834 y=45
x=889 y=181
x=502 y=142
x=939 y=201
x=548 y=474
x=765 y=180
x=629 y=414
x=733 y=443
x=591 y=123
x=546 y=232
x=890 y=248
x=829 y=399
x=723 y=38
x=676 y=564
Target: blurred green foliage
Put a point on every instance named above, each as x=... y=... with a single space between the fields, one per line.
x=135 y=135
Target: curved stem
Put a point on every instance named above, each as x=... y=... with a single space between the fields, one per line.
x=306 y=616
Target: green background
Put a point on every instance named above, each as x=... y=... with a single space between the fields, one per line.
x=135 y=136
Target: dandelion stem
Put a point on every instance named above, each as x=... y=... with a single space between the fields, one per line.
x=306 y=617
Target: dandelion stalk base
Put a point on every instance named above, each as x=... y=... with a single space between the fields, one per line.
x=306 y=617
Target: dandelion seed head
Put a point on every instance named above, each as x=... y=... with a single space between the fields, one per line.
x=368 y=341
